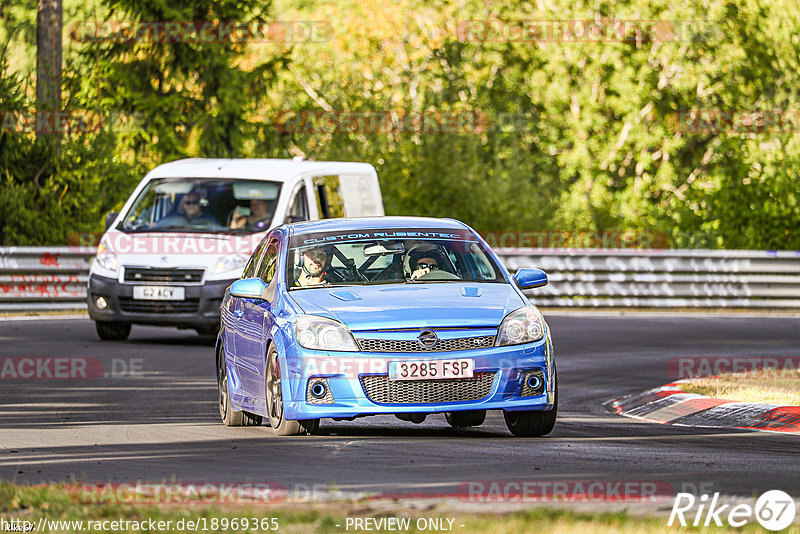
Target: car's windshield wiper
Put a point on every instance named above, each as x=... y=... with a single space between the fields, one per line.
x=163 y=229
x=323 y=284
x=418 y=281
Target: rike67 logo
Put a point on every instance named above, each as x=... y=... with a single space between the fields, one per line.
x=774 y=510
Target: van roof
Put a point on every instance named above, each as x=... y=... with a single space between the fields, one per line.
x=280 y=170
x=373 y=223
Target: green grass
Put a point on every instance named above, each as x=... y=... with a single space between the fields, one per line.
x=767 y=386
x=59 y=503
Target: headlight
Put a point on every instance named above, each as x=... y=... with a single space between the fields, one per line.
x=230 y=262
x=107 y=260
x=314 y=332
x=524 y=325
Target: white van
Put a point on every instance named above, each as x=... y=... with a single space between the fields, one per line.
x=189 y=227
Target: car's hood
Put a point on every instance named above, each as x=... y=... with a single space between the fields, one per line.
x=412 y=306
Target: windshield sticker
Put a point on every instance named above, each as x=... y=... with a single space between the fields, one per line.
x=311 y=239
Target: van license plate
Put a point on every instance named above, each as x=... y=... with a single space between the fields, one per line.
x=158 y=293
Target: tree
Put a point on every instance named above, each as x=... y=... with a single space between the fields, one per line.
x=48 y=55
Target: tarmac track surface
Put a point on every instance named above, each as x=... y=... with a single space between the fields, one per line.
x=162 y=424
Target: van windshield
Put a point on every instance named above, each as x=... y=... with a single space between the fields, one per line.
x=203 y=205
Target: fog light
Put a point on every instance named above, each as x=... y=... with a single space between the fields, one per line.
x=318 y=391
x=532 y=383
x=101 y=303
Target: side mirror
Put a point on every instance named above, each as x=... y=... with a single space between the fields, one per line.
x=110 y=216
x=530 y=278
x=249 y=288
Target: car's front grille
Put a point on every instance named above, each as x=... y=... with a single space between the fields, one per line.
x=130 y=305
x=379 y=389
x=412 y=345
x=175 y=276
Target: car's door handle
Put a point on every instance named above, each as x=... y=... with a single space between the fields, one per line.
x=238 y=313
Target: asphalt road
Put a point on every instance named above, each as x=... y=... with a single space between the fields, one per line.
x=160 y=422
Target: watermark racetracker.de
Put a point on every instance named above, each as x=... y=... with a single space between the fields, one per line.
x=64 y=122
x=402 y=121
x=597 y=30
x=565 y=491
x=177 y=31
x=744 y=121
x=683 y=367
x=68 y=368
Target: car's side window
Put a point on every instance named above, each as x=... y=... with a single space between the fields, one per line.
x=299 y=210
x=252 y=264
x=266 y=270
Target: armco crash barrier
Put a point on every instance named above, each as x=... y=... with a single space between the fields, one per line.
x=662 y=278
x=40 y=278
x=44 y=278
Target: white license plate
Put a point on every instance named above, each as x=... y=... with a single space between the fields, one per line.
x=158 y=293
x=431 y=369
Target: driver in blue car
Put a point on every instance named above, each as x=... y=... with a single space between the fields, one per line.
x=313 y=269
x=423 y=262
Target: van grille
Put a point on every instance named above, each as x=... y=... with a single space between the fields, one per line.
x=379 y=389
x=175 y=276
x=130 y=305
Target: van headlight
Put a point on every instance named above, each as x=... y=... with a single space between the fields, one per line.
x=524 y=325
x=230 y=262
x=321 y=333
x=106 y=259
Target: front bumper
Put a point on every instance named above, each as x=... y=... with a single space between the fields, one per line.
x=345 y=374
x=199 y=309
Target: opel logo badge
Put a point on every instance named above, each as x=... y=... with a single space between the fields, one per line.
x=428 y=339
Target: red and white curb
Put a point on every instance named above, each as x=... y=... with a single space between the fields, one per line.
x=669 y=405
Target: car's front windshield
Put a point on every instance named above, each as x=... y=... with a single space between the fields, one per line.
x=203 y=205
x=388 y=256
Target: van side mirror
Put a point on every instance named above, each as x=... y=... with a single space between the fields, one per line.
x=530 y=278
x=249 y=288
x=110 y=216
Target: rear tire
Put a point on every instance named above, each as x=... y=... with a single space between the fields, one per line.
x=274 y=399
x=112 y=331
x=533 y=423
x=465 y=419
x=229 y=416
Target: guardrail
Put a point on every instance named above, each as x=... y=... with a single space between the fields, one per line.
x=631 y=278
x=44 y=278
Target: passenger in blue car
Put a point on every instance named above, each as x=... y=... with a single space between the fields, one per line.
x=313 y=268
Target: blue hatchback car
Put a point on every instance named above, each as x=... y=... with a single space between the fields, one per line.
x=344 y=318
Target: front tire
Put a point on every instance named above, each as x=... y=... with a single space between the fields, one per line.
x=112 y=331
x=465 y=419
x=229 y=416
x=533 y=423
x=274 y=397
x=211 y=329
